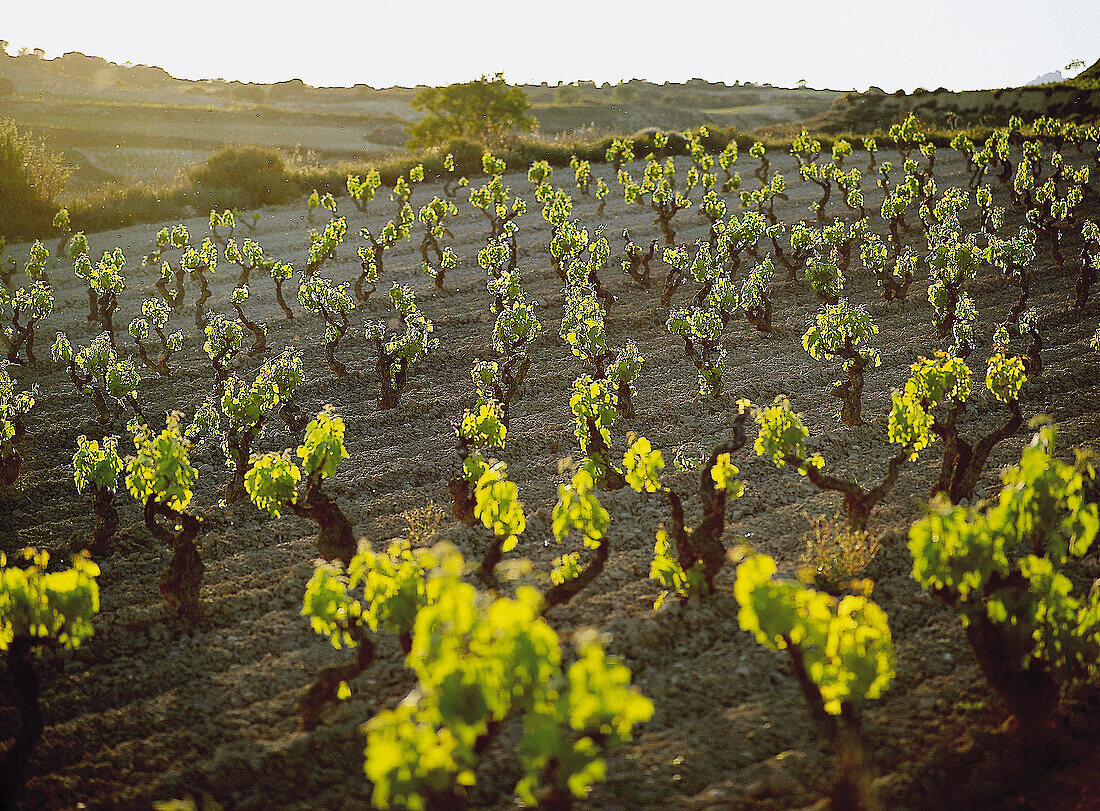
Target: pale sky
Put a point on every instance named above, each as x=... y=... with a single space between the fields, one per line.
x=840 y=44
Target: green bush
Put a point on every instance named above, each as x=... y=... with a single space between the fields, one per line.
x=243 y=177
x=487 y=110
x=31 y=177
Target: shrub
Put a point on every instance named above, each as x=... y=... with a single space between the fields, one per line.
x=14 y=408
x=841 y=655
x=161 y=478
x=31 y=177
x=393 y=587
x=244 y=177
x=272 y=484
x=481 y=660
x=466 y=155
x=96 y=468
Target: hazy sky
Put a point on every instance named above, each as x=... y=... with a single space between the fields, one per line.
x=839 y=44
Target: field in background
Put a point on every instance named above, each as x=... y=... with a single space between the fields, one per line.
x=119 y=126
x=123 y=125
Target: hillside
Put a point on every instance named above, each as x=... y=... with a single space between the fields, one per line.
x=876 y=109
x=124 y=124
x=1092 y=72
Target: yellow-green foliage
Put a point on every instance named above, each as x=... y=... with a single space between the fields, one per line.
x=498 y=505
x=481 y=659
x=160 y=467
x=643 y=465
x=96 y=465
x=484 y=427
x=272 y=482
x=272 y=478
x=845 y=644
x=14 y=408
x=1040 y=519
x=323 y=448
x=394 y=586
x=782 y=434
x=724 y=473
x=1005 y=377
x=931 y=382
x=44 y=606
x=579 y=509
x=667 y=571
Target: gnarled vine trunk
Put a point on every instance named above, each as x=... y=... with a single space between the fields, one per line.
x=180 y=582
x=858 y=503
x=335 y=535
x=704 y=542
x=25 y=692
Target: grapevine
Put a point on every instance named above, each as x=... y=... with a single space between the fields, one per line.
x=272 y=484
x=37 y=609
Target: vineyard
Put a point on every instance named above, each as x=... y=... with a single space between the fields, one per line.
x=727 y=479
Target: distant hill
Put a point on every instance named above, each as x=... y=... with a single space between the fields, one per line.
x=138 y=123
x=1046 y=78
x=131 y=123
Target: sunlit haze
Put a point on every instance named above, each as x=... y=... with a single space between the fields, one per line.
x=841 y=44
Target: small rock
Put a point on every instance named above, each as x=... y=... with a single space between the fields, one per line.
x=779 y=781
x=122 y=762
x=234 y=769
x=756 y=789
x=887 y=786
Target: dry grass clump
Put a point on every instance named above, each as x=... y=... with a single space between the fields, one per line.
x=835 y=556
x=422 y=523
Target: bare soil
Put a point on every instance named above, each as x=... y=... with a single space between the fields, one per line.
x=154 y=707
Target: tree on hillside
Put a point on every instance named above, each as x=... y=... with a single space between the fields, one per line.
x=484 y=110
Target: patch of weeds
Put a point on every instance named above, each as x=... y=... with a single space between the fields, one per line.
x=835 y=556
x=422 y=523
